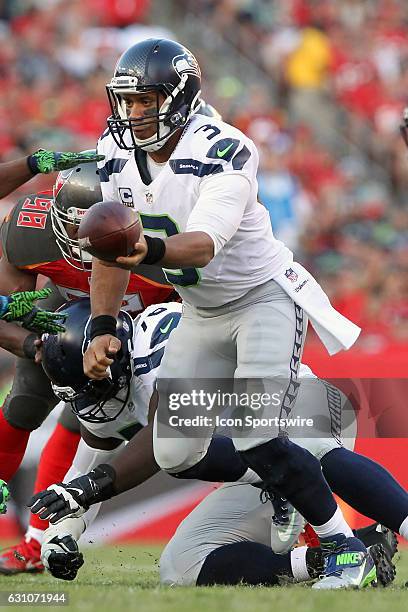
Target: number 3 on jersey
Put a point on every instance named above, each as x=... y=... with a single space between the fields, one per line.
x=186 y=277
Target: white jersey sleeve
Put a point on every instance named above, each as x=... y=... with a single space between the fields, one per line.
x=220 y=208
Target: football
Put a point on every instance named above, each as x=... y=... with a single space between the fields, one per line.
x=109 y=230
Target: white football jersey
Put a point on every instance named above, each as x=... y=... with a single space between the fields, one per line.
x=152 y=330
x=207 y=147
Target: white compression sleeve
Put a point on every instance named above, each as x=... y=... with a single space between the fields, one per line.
x=220 y=207
x=86 y=459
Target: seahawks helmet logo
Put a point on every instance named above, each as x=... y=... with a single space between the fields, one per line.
x=186 y=63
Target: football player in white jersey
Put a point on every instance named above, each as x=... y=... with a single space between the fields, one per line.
x=110 y=412
x=246 y=302
x=116 y=410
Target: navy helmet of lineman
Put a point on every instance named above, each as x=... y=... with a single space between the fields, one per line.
x=62 y=362
x=169 y=71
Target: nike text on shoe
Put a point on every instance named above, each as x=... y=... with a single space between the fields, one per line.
x=348 y=564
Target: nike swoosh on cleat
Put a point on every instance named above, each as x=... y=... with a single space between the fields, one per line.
x=224 y=151
x=286 y=534
x=164 y=330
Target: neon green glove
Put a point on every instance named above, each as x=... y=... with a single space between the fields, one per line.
x=4 y=496
x=53 y=161
x=20 y=307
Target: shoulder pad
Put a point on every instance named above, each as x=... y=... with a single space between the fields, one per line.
x=212 y=147
x=153 y=328
x=108 y=147
x=115 y=158
x=26 y=233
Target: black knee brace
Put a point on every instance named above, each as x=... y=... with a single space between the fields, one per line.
x=283 y=465
x=31 y=398
x=293 y=473
x=221 y=463
x=26 y=411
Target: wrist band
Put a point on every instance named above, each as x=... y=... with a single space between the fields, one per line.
x=29 y=349
x=104 y=475
x=32 y=165
x=156 y=248
x=104 y=324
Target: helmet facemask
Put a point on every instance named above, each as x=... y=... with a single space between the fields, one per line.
x=158 y=66
x=170 y=115
x=69 y=247
x=98 y=401
x=74 y=192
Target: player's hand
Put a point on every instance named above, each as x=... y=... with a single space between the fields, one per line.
x=61 y=557
x=20 y=307
x=72 y=499
x=136 y=258
x=4 y=496
x=53 y=161
x=99 y=356
x=61 y=500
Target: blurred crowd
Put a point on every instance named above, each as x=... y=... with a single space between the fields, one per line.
x=56 y=57
x=324 y=112
x=326 y=116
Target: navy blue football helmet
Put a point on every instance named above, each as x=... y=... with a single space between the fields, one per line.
x=154 y=65
x=62 y=362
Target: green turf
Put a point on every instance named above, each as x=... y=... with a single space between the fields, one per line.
x=125 y=578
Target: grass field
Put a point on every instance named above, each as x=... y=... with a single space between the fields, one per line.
x=126 y=578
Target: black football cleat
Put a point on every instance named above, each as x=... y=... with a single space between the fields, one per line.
x=385 y=568
x=378 y=534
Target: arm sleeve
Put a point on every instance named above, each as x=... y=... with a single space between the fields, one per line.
x=220 y=207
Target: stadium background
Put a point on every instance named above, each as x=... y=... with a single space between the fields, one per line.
x=320 y=88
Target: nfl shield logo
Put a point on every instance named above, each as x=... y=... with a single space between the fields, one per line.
x=291 y=275
x=149 y=197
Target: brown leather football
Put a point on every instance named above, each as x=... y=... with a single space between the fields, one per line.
x=109 y=230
